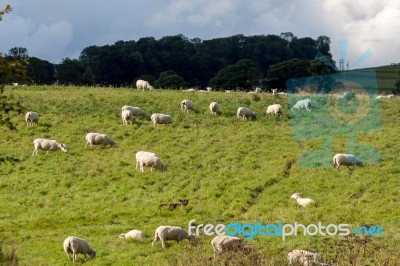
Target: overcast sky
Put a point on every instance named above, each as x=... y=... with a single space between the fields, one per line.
x=55 y=29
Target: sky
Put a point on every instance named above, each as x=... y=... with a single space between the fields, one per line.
x=53 y=29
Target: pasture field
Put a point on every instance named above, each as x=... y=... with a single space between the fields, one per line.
x=229 y=170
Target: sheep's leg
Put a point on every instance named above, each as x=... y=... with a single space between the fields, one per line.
x=47 y=152
x=69 y=257
x=156 y=238
x=163 y=244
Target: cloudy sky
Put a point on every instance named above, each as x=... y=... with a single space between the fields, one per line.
x=55 y=29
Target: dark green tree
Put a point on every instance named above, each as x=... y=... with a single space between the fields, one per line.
x=69 y=72
x=170 y=80
x=40 y=71
x=88 y=77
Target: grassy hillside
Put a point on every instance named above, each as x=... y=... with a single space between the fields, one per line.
x=386 y=77
x=229 y=170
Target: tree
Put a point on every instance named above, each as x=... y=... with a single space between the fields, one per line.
x=88 y=77
x=69 y=72
x=18 y=52
x=397 y=86
x=170 y=80
x=40 y=71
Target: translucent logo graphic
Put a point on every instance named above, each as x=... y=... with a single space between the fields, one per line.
x=340 y=105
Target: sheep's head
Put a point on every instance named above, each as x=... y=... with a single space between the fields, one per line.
x=92 y=254
x=296 y=196
x=184 y=202
x=63 y=147
x=191 y=238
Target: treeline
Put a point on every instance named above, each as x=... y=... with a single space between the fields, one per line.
x=176 y=62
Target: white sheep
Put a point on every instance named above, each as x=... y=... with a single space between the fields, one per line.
x=304 y=202
x=99 y=139
x=209 y=89
x=245 y=113
x=158 y=118
x=127 y=116
x=385 y=96
x=31 y=118
x=346 y=160
x=275 y=92
x=275 y=109
x=135 y=110
x=187 y=105
x=149 y=159
x=214 y=108
x=305 y=258
x=166 y=232
x=134 y=234
x=303 y=104
x=76 y=245
x=226 y=243
x=47 y=145
x=144 y=85
x=190 y=90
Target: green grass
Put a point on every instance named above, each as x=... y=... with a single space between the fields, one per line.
x=229 y=170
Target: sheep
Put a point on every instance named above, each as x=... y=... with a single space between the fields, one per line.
x=167 y=232
x=187 y=105
x=190 y=90
x=144 y=85
x=226 y=243
x=385 y=96
x=76 y=245
x=134 y=234
x=47 y=145
x=209 y=89
x=135 y=110
x=303 y=104
x=275 y=109
x=97 y=139
x=31 y=118
x=257 y=90
x=275 y=92
x=127 y=116
x=214 y=108
x=149 y=159
x=158 y=118
x=345 y=159
x=245 y=113
x=305 y=258
x=304 y=202
x=173 y=206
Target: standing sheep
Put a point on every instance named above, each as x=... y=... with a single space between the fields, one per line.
x=144 y=85
x=345 y=159
x=99 y=139
x=304 y=202
x=47 y=145
x=76 y=245
x=166 y=232
x=149 y=159
x=187 y=105
x=214 y=108
x=127 y=116
x=31 y=118
x=225 y=243
x=135 y=110
x=305 y=258
x=245 y=113
x=134 y=234
x=275 y=109
x=158 y=118
x=303 y=104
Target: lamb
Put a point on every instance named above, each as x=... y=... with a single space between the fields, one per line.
x=158 y=118
x=225 y=243
x=47 y=145
x=149 y=159
x=345 y=159
x=303 y=104
x=304 y=202
x=133 y=234
x=305 y=258
x=245 y=113
x=76 y=245
x=127 y=116
x=214 y=108
x=187 y=105
x=31 y=118
x=97 y=139
x=173 y=206
x=135 y=110
x=166 y=232
x=144 y=85
x=275 y=109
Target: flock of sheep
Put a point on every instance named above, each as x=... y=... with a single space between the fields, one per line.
x=75 y=245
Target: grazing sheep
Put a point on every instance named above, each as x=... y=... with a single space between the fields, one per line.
x=385 y=96
x=214 y=108
x=245 y=113
x=303 y=104
x=76 y=245
x=31 y=118
x=209 y=89
x=134 y=234
x=167 y=232
x=135 y=110
x=47 y=145
x=144 y=85
x=149 y=159
x=225 y=243
x=304 y=202
x=173 y=206
x=305 y=258
x=345 y=159
x=158 y=118
x=275 y=109
x=99 y=139
x=187 y=105
x=127 y=116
